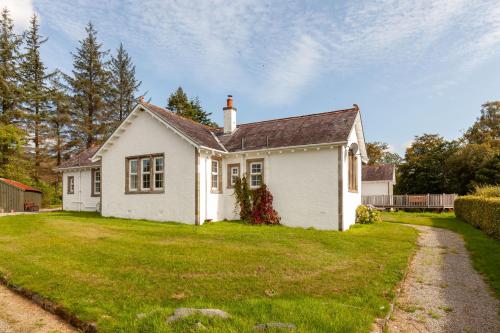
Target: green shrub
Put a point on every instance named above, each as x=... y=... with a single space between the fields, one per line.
x=481 y=212
x=488 y=191
x=366 y=214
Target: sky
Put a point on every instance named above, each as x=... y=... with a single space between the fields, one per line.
x=413 y=67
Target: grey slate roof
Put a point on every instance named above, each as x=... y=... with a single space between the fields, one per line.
x=82 y=159
x=377 y=172
x=327 y=127
x=319 y=128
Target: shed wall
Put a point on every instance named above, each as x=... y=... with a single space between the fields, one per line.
x=11 y=198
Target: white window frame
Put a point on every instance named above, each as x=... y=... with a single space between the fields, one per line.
x=144 y=173
x=156 y=172
x=252 y=173
x=97 y=172
x=233 y=176
x=136 y=174
x=71 y=184
x=214 y=174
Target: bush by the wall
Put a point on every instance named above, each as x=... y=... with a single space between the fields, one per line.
x=262 y=207
x=481 y=212
x=366 y=214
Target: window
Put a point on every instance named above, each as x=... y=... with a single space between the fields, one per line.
x=96 y=182
x=133 y=175
x=145 y=174
x=215 y=175
x=159 y=172
x=255 y=172
x=353 y=172
x=233 y=173
x=71 y=184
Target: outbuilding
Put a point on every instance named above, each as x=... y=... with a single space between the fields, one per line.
x=18 y=197
x=378 y=179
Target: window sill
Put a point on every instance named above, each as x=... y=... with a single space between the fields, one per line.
x=145 y=192
x=353 y=191
x=95 y=195
x=216 y=191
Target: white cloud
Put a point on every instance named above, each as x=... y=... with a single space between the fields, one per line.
x=21 y=11
x=275 y=50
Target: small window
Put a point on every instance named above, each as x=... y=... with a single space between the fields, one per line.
x=215 y=175
x=132 y=184
x=159 y=167
x=256 y=174
x=146 y=173
x=71 y=184
x=233 y=173
x=353 y=172
x=96 y=182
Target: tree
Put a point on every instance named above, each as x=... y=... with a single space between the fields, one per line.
x=10 y=91
x=486 y=129
x=467 y=167
x=90 y=88
x=378 y=152
x=424 y=169
x=123 y=84
x=13 y=164
x=59 y=121
x=179 y=103
x=36 y=93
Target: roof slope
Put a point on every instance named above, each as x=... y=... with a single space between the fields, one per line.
x=197 y=132
x=82 y=159
x=327 y=127
x=378 y=172
x=19 y=185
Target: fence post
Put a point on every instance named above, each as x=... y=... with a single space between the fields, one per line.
x=428 y=200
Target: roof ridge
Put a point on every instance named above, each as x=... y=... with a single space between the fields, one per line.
x=303 y=116
x=176 y=115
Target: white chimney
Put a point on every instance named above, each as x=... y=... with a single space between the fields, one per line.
x=229 y=116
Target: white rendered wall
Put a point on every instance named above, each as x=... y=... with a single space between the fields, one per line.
x=377 y=187
x=148 y=136
x=81 y=199
x=351 y=200
x=304 y=185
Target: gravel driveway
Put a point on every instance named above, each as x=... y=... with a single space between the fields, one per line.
x=443 y=292
x=18 y=315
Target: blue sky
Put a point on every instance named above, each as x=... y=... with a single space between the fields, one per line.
x=411 y=66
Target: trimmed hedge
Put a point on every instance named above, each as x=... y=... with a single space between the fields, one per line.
x=480 y=212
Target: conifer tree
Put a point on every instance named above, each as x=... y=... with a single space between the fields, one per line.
x=179 y=103
x=59 y=121
x=10 y=92
x=36 y=94
x=90 y=88
x=124 y=85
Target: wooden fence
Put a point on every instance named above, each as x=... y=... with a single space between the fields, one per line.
x=431 y=201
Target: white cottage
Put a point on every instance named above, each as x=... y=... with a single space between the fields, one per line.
x=378 y=179
x=160 y=166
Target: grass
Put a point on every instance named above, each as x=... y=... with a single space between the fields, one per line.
x=484 y=250
x=128 y=276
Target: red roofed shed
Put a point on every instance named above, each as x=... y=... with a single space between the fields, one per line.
x=18 y=197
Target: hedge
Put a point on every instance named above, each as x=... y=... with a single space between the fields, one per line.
x=480 y=212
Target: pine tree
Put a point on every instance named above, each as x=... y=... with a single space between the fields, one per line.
x=59 y=121
x=179 y=103
x=36 y=94
x=90 y=87
x=10 y=92
x=124 y=85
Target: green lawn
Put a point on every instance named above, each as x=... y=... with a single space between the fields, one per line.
x=128 y=276
x=484 y=250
